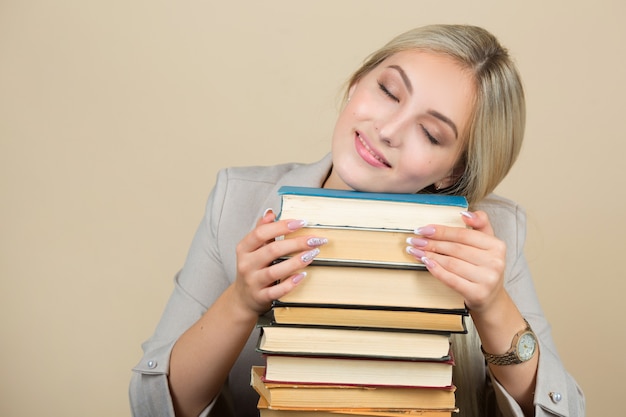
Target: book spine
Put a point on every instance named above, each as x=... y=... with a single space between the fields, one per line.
x=430 y=199
x=463 y=312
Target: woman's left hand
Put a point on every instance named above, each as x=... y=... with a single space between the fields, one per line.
x=469 y=260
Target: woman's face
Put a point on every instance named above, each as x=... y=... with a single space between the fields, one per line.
x=404 y=125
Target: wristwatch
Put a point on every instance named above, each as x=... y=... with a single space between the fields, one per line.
x=523 y=348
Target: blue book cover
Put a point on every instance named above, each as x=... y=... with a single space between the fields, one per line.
x=431 y=199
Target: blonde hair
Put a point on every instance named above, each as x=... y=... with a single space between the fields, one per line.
x=496 y=128
x=492 y=144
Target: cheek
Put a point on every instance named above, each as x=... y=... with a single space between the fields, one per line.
x=364 y=106
x=421 y=163
x=341 y=142
x=346 y=119
x=415 y=167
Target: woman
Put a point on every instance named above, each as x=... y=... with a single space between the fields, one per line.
x=438 y=109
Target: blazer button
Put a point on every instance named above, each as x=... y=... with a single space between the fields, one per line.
x=555 y=397
x=153 y=364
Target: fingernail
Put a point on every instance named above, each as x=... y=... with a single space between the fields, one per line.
x=415 y=241
x=310 y=255
x=298 y=277
x=429 y=264
x=418 y=253
x=468 y=214
x=296 y=224
x=425 y=231
x=317 y=241
x=267 y=210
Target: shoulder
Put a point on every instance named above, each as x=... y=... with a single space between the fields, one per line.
x=258 y=174
x=293 y=173
x=245 y=191
x=258 y=184
x=241 y=194
x=240 y=191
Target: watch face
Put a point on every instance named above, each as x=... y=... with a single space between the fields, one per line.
x=526 y=346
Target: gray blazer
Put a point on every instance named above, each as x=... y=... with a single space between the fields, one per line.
x=238 y=199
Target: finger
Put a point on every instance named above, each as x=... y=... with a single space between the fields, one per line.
x=485 y=256
x=282 y=288
x=262 y=258
x=281 y=270
x=478 y=220
x=288 y=269
x=294 y=266
x=476 y=285
x=453 y=280
x=468 y=271
x=268 y=217
x=267 y=232
x=457 y=235
x=463 y=260
x=289 y=248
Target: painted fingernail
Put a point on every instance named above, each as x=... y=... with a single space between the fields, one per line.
x=418 y=253
x=425 y=231
x=267 y=210
x=296 y=224
x=298 y=277
x=316 y=241
x=310 y=255
x=429 y=264
x=415 y=241
x=468 y=214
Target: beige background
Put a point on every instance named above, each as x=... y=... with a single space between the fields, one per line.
x=115 y=116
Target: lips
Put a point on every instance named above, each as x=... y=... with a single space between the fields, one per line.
x=368 y=154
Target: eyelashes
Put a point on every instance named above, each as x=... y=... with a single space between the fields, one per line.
x=430 y=137
x=388 y=93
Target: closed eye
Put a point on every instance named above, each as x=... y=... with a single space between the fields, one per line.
x=430 y=137
x=387 y=92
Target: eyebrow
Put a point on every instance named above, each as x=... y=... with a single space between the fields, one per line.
x=444 y=119
x=433 y=113
x=405 y=79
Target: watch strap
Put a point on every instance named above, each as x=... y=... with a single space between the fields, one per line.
x=510 y=357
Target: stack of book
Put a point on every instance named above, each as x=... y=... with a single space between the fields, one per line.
x=367 y=332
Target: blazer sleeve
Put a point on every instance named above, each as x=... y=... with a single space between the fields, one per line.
x=556 y=391
x=237 y=200
x=202 y=279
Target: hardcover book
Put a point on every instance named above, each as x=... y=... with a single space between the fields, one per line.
x=308 y=340
x=361 y=247
x=291 y=395
x=368 y=316
x=358 y=371
x=342 y=208
x=265 y=411
x=383 y=287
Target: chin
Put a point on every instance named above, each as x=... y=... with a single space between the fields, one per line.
x=367 y=185
x=376 y=185
x=349 y=177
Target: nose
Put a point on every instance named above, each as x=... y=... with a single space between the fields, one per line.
x=391 y=130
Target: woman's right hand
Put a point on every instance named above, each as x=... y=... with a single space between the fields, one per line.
x=259 y=280
x=204 y=355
